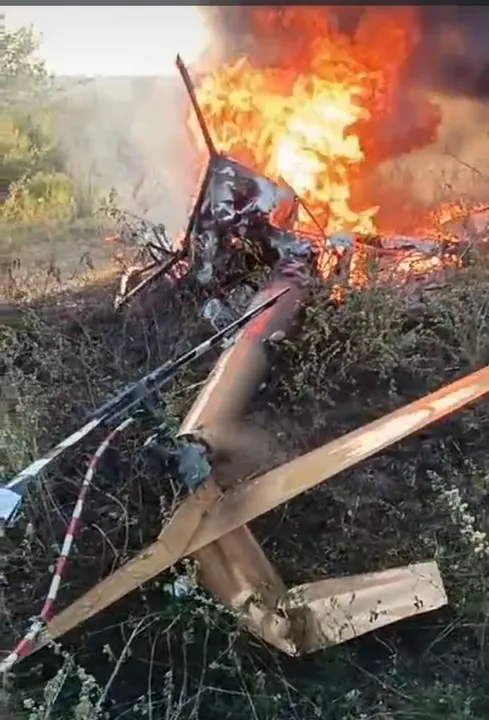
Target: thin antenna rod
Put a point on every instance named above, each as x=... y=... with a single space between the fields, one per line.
x=198 y=112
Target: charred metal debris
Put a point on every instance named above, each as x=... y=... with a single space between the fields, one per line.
x=240 y=221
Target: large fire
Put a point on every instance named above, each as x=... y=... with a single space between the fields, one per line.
x=312 y=113
x=319 y=110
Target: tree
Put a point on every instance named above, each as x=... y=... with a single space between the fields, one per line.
x=30 y=157
x=21 y=69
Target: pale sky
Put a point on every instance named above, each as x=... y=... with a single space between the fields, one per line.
x=103 y=40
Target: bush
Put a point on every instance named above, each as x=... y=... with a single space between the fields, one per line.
x=154 y=656
x=32 y=182
x=42 y=196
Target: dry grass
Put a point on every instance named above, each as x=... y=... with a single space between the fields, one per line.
x=38 y=259
x=154 y=656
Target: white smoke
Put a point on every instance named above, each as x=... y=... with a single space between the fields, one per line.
x=131 y=134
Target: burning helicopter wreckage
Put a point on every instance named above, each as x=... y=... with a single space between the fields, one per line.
x=241 y=217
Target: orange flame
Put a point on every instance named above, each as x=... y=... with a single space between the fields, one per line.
x=301 y=118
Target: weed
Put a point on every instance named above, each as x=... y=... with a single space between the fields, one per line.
x=158 y=655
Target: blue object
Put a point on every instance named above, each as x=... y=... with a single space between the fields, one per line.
x=9 y=504
x=193 y=465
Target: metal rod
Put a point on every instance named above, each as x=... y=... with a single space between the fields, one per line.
x=198 y=112
x=137 y=392
x=157 y=269
x=133 y=395
x=197 y=207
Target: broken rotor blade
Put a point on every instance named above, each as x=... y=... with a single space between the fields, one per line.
x=344 y=608
x=38 y=465
x=11 y=494
x=170 y=547
x=257 y=496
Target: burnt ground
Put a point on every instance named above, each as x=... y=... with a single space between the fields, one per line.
x=155 y=656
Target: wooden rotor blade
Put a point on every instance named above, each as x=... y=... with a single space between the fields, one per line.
x=171 y=545
x=343 y=608
x=200 y=520
x=264 y=493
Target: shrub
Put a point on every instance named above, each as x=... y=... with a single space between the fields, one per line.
x=43 y=196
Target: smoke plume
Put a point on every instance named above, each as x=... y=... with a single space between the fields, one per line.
x=452 y=54
x=132 y=133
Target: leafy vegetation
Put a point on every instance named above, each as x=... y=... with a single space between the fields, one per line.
x=157 y=656
x=153 y=655
x=33 y=185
